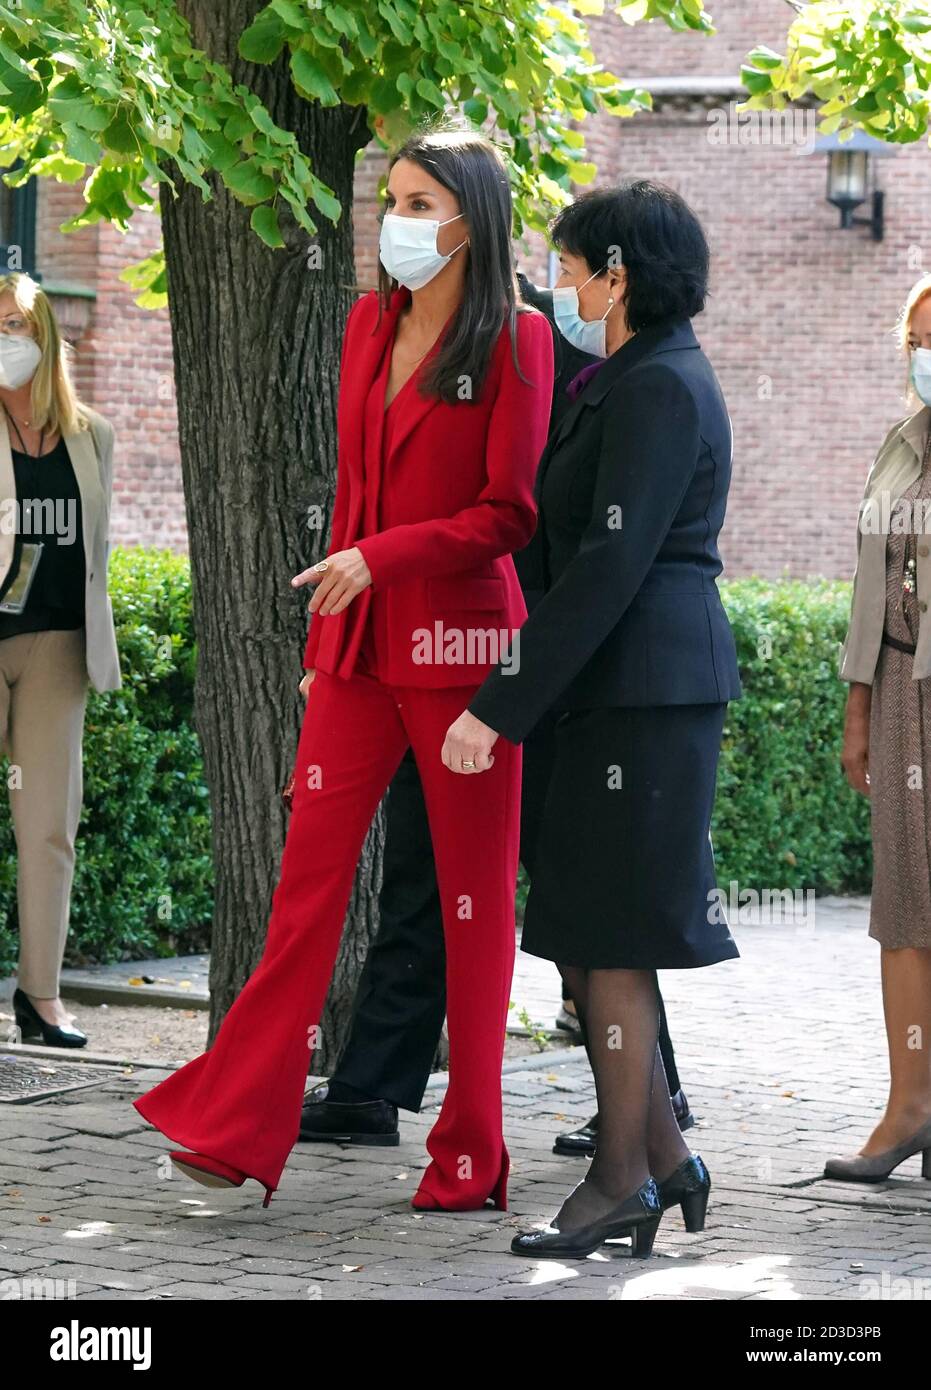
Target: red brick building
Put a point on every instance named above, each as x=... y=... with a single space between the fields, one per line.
x=798 y=325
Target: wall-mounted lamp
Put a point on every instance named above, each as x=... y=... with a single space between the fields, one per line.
x=849 y=178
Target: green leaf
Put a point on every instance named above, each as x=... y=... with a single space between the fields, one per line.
x=80 y=110
x=79 y=145
x=59 y=167
x=764 y=58
x=264 y=39
x=148 y=279
x=292 y=14
x=106 y=193
x=342 y=20
x=326 y=200
x=220 y=151
x=263 y=122
x=310 y=79
x=14 y=60
x=355 y=87
x=23 y=95
x=264 y=222
x=476 y=110
x=238 y=126
x=582 y=172
x=120 y=136
x=248 y=182
x=431 y=92
x=754 y=81
x=299 y=206
x=395 y=23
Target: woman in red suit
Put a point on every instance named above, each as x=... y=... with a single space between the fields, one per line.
x=444 y=402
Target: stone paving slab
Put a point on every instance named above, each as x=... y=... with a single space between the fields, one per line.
x=782 y=1054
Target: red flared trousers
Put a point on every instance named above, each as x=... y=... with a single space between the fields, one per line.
x=240 y=1102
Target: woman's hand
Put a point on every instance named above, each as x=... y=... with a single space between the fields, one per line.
x=306 y=683
x=338 y=579
x=468 y=744
x=855 y=757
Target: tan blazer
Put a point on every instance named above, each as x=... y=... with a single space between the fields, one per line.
x=895 y=468
x=91 y=454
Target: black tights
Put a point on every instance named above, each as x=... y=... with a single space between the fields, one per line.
x=638 y=1136
x=665 y=1041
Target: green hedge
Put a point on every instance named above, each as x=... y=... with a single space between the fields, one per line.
x=143 y=876
x=784 y=817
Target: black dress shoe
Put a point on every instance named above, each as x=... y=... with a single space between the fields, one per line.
x=373 y=1123
x=688 y=1186
x=638 y=1217
x=680 y=1108
x=578 y=1142
x=581 y=1142
x=31 y=1024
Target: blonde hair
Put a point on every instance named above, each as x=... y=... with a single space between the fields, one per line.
x=919 y=292
x=55 y=404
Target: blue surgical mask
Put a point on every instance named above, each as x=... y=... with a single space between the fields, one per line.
x=921 y=373
x=407 y=247
x=588 y=335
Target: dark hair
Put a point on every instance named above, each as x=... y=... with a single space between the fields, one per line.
x=660 y=240
x=470 y=166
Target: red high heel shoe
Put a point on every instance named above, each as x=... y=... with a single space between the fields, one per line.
x=423 y=1201
x=210 y=1172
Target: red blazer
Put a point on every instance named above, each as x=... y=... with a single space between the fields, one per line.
x=456 y=499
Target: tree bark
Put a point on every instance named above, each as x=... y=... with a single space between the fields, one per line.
x=256 y=338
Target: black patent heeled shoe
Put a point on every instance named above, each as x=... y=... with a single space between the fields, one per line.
x=688 y=1187
x=31 y=1024
x=638 y=1216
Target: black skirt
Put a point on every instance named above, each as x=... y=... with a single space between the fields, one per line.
x=624 y=874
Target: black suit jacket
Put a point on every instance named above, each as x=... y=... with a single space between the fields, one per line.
x=632 y=489
x=568 y=361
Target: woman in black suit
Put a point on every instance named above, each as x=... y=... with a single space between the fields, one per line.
x=631 y=643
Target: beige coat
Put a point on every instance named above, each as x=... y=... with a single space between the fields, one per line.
x=896 y=467
x=91 y=454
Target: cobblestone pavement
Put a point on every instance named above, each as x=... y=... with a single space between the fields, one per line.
x=783 y=1058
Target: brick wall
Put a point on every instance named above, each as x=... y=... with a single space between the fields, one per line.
x=123 y=363
x=797 y=327
x=799 y=322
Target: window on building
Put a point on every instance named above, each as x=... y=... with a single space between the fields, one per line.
x=18 y=228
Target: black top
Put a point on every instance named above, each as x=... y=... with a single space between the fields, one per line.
x=49 y=511
x=632 y=489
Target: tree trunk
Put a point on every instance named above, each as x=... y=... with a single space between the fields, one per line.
x=256 y=336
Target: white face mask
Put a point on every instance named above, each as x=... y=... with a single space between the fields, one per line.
x=19 y=359
x=588 y=335
x=921 y=373
x=407 y=246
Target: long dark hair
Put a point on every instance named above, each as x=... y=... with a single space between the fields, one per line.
x=468 y=165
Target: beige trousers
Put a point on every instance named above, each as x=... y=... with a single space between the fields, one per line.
x=43 y=693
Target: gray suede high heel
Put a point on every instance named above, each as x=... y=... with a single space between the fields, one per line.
x=877 y=1167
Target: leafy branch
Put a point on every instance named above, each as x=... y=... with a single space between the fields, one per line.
x=117 y=95
x=868 y=62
